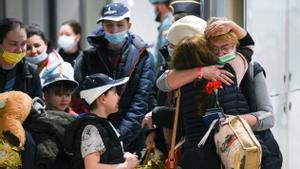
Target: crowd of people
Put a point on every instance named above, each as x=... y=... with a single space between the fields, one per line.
x=101 y=107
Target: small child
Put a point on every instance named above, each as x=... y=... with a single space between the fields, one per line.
x=58 y=89
x=91 y=140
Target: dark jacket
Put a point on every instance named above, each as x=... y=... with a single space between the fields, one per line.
x=231 y=97
x=113 y=153
x=69 y=57
x=27 y=80
x=135 y=62
x=47 y=129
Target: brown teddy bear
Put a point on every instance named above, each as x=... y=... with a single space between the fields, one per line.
x=15 y=106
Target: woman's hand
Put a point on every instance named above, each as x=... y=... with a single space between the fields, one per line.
x=215 y=72
x=221 y=27
x=148 y=121
x=218 y=28
x=251 y=120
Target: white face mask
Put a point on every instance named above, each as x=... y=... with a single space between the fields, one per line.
x=37 y=59
x=66 y=42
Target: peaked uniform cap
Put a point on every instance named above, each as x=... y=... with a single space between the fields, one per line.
x=185 y=6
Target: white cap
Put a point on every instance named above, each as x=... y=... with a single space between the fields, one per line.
x=187 y=26
x=63 y=73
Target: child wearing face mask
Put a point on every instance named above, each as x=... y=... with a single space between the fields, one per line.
x=69 y=41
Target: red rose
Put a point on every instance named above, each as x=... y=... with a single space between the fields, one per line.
x=213 y=86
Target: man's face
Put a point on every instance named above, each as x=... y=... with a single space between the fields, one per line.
x=116 y=26
x=157 y=11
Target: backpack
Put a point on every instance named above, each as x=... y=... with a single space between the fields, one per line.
x=271 y=154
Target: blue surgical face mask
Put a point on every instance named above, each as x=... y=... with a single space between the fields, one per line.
x=170 y=51
x=116 y=38
x=226 y=58
x=37 y=59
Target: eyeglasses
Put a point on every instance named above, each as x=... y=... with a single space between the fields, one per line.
x=225 y=48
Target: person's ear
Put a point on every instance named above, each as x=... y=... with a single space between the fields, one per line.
x=77 y=38
x=129 y=25
x=102 y=99
x=45 y=96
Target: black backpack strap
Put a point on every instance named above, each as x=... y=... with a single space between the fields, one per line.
x=27 y=77
x=257 y=68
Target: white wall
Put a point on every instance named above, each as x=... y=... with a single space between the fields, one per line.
x=67 y=10
x=275 y=27
x=14 y=9
x=38 y=14
x=142 y=14
x=294 y=41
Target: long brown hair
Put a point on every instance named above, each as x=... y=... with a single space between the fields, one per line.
x=194 y=52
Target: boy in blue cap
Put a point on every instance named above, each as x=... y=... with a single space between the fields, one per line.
x=91 y=139
x=58 y=89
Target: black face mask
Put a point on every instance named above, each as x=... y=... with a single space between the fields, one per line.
x=157 y=15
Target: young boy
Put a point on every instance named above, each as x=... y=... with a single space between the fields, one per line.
x=91 y=140
x=58 y=89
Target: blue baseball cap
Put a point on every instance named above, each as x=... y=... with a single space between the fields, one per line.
x=114 y=12
x=95 y=85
